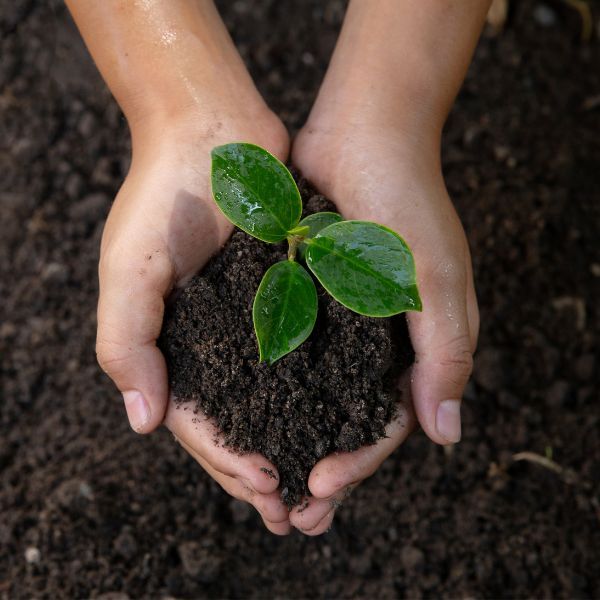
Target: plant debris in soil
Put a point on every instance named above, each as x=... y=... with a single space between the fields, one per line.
x=336 y=392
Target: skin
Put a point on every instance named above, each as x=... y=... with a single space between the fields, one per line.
x=371 y=144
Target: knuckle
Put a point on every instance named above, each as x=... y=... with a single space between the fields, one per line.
x=456 y=359
x=461 y=363
x=455 y=377
x=111 y=357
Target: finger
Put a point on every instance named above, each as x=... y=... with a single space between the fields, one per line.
x=199 y=433
x=311 y=511
x=323 y=525
x=269 y=506
x=443 y=342
x=283 y=528
x=133 y=283
x=336 y=472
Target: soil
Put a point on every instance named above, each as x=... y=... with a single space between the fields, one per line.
x=336 y=392
x=88 y=509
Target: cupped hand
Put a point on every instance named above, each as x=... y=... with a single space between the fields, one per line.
x=374 y=173
x=162 y=229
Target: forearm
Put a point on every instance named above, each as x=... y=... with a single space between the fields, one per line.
x=401 y=62
x=165 y=57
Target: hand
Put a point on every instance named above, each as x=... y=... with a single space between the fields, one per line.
x=161 y=230
x=374 y=173
x=333 y=478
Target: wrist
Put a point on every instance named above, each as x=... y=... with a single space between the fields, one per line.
x=346 y=131
x=212 y=89
x=166 y=59
x=199 y=113
x=400 y=64
x=350 y=161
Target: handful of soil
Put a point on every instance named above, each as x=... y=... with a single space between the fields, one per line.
x=336 y=392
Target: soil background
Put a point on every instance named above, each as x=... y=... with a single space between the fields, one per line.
x=88 y=509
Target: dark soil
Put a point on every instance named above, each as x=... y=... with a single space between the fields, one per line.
x=89 y=509
x=336 y=392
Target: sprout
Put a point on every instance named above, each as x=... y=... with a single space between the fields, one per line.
x=366 y=267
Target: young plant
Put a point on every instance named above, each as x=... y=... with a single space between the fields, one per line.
x=366 y=267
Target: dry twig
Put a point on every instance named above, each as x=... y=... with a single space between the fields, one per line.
x=583 y=8
x=568 y=475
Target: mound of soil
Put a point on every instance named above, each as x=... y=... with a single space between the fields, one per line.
x=336 y=392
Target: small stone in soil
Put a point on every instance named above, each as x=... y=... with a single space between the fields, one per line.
x=32 y=555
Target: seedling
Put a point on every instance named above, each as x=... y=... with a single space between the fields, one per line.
x=366 y=267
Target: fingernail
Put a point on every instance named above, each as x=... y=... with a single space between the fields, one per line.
x=447 y=420
x=138 y=411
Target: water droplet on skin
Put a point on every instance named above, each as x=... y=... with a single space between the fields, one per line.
x=168 y=37
x=448 y=268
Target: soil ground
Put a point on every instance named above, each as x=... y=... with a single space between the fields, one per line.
x=88 y=509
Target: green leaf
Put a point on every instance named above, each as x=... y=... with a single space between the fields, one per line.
x=366 y=267
x=315 y=223
x=284 y=311
x=255 y=191
x=299 y=230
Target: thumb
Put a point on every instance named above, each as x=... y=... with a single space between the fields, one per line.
x=133 y=283
x=443 y=342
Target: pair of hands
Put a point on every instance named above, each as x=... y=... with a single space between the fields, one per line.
x=164 y=226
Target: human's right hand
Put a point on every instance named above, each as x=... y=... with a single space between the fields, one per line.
x=161 y=230
x=184 y=89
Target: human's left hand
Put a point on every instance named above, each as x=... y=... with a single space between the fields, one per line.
x=373 y=173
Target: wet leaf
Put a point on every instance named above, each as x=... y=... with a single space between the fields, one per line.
x=255 y=191
x=284 y=311
x=315 y=223
x=366 y=267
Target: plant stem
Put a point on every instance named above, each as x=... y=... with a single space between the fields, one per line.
x=294 y=241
